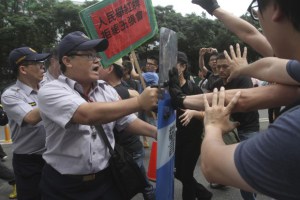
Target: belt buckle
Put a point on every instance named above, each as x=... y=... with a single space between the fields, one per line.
x=89 y=177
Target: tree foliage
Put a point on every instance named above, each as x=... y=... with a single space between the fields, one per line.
x=41 y=24
x=197 y=31
x=36 y=23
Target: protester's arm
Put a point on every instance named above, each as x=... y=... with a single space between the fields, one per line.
x=202 y=51
x=133 y=93
x=33 y=117
x=269 y=69
x=139 y=127
x=186 y=117
x=98 y=112
x=220 y=168
x=134 y=74
x=252 y=98
x=245 y=31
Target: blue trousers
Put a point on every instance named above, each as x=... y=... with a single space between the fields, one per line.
x=28 y=170
x=56 y=186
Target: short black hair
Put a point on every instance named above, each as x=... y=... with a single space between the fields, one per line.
x=127 y=65
x=126 y=58
x=221 y=56
x=290 y=8
x=118 y=70
x=152 y=57
x=182 y=58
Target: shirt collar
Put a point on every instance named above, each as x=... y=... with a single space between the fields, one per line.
x=76 y=86
x=28 y=90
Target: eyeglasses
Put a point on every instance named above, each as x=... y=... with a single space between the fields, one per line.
x=253 y=10
x=89 y=56
x=35 y=63
x=150 y=64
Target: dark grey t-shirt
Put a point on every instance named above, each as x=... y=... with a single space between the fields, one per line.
x=270 y=161
x=293 y=69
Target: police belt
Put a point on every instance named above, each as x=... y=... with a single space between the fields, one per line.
x=90 y=177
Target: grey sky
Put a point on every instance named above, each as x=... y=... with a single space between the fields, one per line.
x=237 y=7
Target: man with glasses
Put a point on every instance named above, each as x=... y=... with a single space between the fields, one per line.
x=150 y=77
x=245 y=31
x=76 y=157
x=28 y=133
x=269 y=162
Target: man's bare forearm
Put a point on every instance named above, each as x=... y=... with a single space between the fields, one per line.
x=269 y=69
x=245 y=31
x=252 y=98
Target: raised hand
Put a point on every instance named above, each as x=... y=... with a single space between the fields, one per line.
x=202 y=51
x=208 y=5
x=236 y=61
x=217 y=115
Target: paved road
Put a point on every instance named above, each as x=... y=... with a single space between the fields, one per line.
x=227 y=193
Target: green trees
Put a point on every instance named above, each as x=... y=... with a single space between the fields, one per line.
x=35 y=23
x=41 y=23
x=197 y=31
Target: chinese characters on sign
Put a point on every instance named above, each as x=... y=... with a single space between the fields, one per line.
x=123 y=22
x=120 y=18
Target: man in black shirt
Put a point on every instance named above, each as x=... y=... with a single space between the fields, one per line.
x=249 y=121
x=130 y=142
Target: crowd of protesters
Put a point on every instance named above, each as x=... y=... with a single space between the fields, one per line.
x=61 y=95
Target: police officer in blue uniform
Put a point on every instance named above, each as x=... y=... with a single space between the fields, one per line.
x=76 y=157
x=28 y=133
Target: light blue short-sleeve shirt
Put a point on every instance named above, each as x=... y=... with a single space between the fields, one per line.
x=75 y=148
x=18 y=100
x=47 y=78
x=151 y=78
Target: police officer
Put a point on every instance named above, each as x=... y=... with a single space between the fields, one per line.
x=6 y=173
x=28 y=134
x=76 y=157
x=3 y=122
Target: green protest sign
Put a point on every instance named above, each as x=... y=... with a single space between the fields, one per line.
x=126 y=24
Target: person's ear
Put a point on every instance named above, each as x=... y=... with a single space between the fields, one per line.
x=22 y=69
x=110 y=68
x=67 y=61
x=278 y=15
